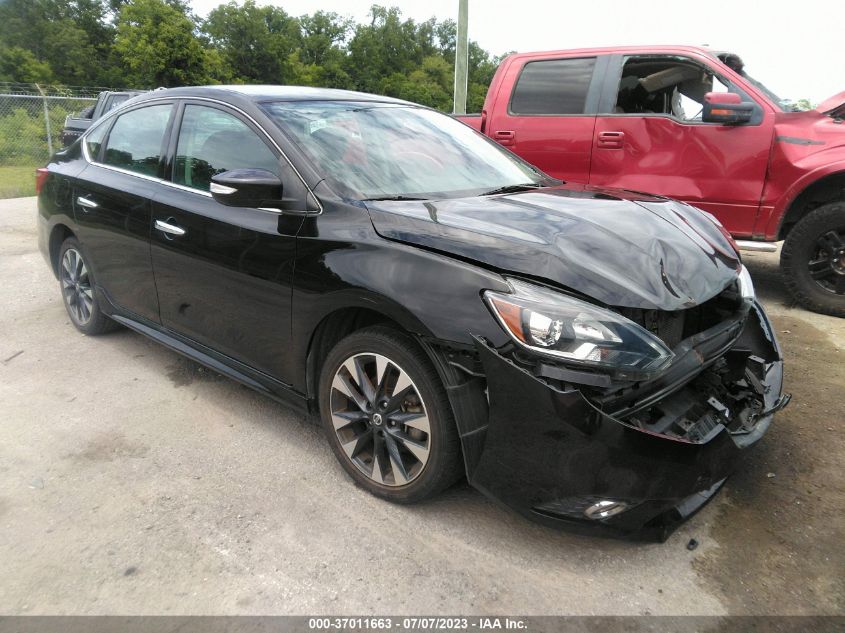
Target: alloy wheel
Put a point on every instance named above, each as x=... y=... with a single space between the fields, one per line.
x=76 y=286
x=380 y=419
x=827 y=265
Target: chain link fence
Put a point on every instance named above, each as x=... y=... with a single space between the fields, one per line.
x=31 y=120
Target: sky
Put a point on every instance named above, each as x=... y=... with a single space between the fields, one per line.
x=795 y=48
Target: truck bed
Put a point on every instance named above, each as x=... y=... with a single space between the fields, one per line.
x=472 y=120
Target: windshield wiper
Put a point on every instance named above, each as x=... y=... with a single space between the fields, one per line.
x=512 y=188
x=395 y=197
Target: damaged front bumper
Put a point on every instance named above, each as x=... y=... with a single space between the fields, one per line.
x=633 y=463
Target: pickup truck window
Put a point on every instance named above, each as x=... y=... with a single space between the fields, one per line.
x=114 y=101
x=553 y=87
x=665 y=85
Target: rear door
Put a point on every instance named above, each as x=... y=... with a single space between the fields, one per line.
x=224 y=273
x=649 y=137
x=112 y=204
x=549 y=116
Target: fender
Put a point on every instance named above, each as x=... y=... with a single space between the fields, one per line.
x=365 y=270
x=814 y=167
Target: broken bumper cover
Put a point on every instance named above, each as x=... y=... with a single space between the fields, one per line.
x=555 y=457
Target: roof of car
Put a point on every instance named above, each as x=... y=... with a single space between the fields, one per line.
x=278 y=93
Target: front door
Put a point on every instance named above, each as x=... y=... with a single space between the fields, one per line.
x=649 y=137
x=223 y=273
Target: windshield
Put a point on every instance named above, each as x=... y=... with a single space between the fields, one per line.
x=735 y=63
x=381 y=150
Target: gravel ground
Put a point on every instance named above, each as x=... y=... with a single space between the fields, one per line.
x=133 y=481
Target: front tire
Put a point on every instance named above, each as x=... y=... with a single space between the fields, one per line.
x=387 y=416
x=813 y=260
x=78 y=291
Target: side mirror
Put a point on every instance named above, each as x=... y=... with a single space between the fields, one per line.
x=247 y=188
x=727 y=108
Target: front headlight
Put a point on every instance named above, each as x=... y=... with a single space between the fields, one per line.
x=568 y=329
x=746 y=286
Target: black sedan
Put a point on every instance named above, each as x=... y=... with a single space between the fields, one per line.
x=592 y=358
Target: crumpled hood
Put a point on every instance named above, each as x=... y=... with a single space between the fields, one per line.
x=618 y=247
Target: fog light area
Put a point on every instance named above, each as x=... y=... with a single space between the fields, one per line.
x=594 y=508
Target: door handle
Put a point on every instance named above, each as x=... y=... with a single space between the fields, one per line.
x=169 y=229
x=611 y=140
x=504 y=137
x=86 y=204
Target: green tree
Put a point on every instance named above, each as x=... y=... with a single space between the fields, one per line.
x=386 y=46
x=72 y=36
x=72 y=56
x=323 y=37
x=147 y=43
x=255 y=42
x=19 y=64
x=157 y=46
x=481 y=66
x=321 y=58
x=431 y=84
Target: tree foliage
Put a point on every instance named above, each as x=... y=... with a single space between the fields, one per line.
x=150 y=43
x=253 y=41
x=157 y=46
x=19 y=64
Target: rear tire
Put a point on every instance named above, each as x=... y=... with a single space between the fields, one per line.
x=78 y=288
x=387 y=416
x=813 y=260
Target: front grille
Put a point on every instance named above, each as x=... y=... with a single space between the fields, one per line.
x=672 y=327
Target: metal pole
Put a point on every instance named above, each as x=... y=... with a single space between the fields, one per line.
x=47 y=121
x=461 y=59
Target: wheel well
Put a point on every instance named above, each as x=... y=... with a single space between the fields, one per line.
x=57 y=237
x=331 y=330
x=821 y=192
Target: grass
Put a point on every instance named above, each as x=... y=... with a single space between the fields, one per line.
x=17 y=181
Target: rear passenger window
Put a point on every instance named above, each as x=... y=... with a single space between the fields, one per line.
x=212 y=141
x=135 y=139
x=555 y=86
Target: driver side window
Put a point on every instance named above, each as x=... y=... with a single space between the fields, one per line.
x=673 y=86
x=212 y=141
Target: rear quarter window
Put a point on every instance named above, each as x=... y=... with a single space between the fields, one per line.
x=554 y=86
x=94 y=140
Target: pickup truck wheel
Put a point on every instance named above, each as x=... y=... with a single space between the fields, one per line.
x=813 y=260
x=387 y=416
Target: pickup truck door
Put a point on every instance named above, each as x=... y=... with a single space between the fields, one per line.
x=649 y=137
x=549 y=114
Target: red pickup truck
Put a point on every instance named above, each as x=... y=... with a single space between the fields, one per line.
x=692 y=124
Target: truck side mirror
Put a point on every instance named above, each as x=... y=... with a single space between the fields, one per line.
x=727 y=108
